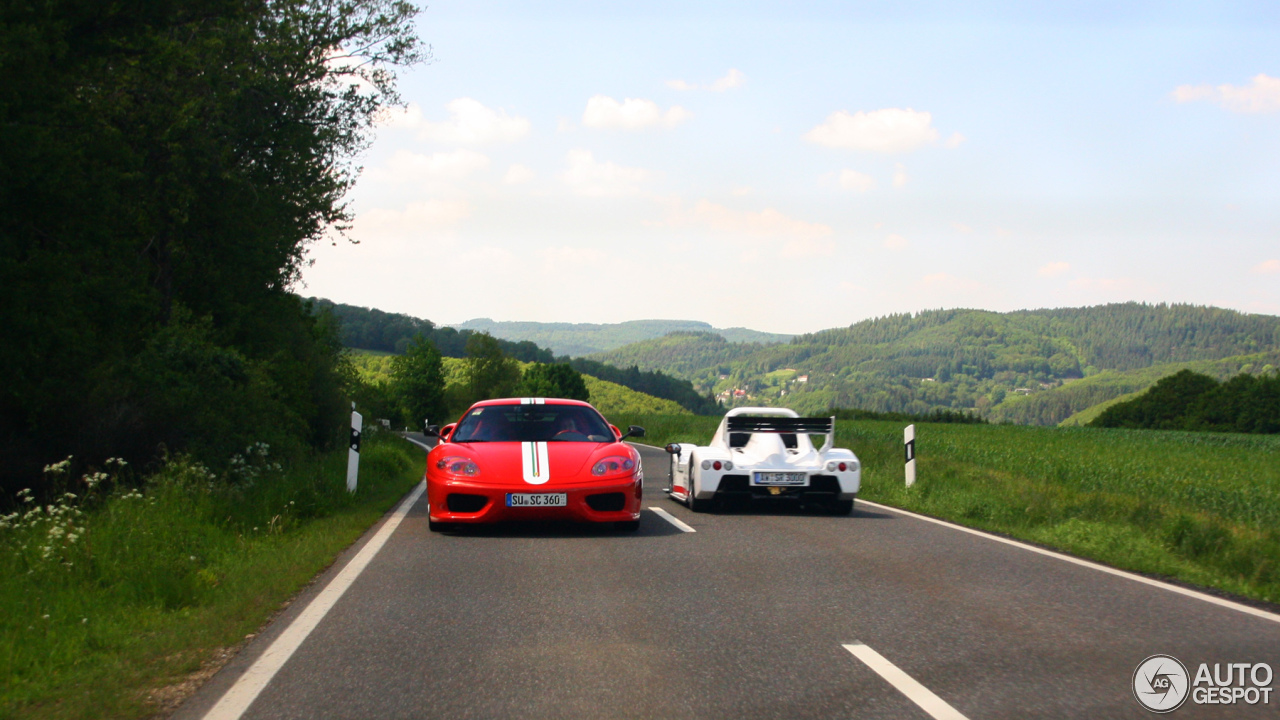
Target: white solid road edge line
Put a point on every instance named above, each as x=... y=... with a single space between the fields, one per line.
x=241 y=695
x=1222 y=602
x=907 y=685
x=419 y=443
x=671 y=519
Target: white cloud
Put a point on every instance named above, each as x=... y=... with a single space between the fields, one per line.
x=1053 y=269
x=742 y=190
x=948 y=283
x=900 y=177
x=955 y=140
x=895 y=242
x=1263 y=95
x=415 y=219
x=1267 y=267
x=470 y=123
x=856 y=181
x=799 y=238
x=589 y=177
x=517 y=174
x=961 y=228
x=630 y=114
x=406 y=166
x=891 y=130
x=565 y=258
x=734 y=78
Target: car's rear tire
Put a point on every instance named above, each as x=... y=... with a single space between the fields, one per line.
x=700 y=506
x=435 y=526
x=627 y=525
x=842 y=507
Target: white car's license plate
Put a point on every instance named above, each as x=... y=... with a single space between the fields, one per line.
x=779 y=478
x=537 y=499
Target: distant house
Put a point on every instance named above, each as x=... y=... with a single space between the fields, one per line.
x=1022 y=391
x=803 y=378
x=925 y=380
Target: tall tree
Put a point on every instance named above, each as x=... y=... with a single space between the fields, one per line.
x=166 y=163
x=418 y=383
x=557 y=381
x=490 y=373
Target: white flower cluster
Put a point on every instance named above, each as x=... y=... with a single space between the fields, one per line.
x=253 y=463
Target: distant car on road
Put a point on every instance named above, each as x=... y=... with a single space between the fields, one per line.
x=761 y=453
x=533 y=459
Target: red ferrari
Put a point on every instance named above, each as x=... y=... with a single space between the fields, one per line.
x=533 y=459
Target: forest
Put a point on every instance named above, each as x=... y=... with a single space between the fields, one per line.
x=1190 y=401
x=164 y=167
x=372 y=329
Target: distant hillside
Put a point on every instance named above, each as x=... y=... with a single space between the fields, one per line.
x=373 y=331
x=577 y=339
x=969 y=360
x=681 y=353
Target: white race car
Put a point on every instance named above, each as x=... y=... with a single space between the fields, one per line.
x=766 y=453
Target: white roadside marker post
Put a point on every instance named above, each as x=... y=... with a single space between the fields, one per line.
x=909 y=445
x=353 y=456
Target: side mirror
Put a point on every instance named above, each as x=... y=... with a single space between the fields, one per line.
x=633 y=431
x=432 y=431
x=673 y=448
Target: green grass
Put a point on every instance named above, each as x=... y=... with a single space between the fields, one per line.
x=161 y=578
x=1203 y=508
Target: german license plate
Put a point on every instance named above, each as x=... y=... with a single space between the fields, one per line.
x=779 y=478
x=537 y=499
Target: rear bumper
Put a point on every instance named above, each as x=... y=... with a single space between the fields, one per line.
x=459 y=501
x=820 y=488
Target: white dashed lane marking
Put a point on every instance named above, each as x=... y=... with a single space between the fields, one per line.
x=905 y=684
x=671 y=519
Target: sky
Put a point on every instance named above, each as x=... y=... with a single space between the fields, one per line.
x=795 y=167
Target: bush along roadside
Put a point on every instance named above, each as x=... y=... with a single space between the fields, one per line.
x=118 y=587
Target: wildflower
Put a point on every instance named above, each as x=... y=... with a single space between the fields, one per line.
x=85 y=621
x=58 y=467
x=193 y=558
x=46 y=617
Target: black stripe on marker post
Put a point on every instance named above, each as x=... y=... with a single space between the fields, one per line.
x=355 y=440
x=911 y=450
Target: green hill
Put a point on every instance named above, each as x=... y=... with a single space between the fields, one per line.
x=576 y=339
x=1031 y=366
x=1121 y=386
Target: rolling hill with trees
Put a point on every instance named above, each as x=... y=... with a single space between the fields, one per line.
x=996 y=364
x=376 y=331
x=576 y=339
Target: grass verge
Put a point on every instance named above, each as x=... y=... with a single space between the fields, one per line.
x=1202 y=508
x=114 y=597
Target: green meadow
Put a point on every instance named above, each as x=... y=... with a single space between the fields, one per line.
x=122 y=587
x=1202 y=508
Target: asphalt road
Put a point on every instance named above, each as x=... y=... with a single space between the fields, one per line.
x=744 y=618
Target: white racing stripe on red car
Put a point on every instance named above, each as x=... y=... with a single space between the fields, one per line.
x=533 y=462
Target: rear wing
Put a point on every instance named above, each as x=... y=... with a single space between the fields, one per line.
x=776 y=424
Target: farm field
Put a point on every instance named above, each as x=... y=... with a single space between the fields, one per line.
x=1201 y=508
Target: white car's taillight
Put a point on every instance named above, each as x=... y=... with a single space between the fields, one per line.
x=612 y=465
